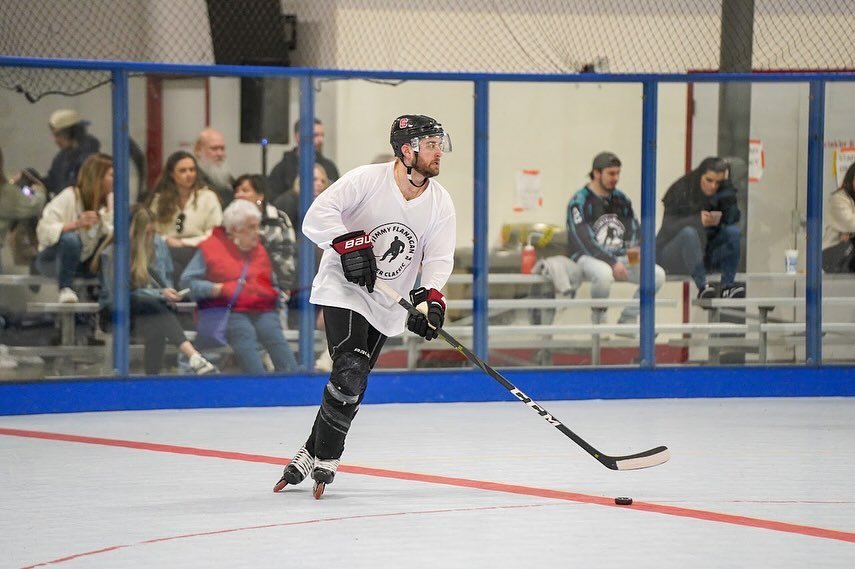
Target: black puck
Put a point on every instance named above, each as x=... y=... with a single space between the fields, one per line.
x=623 y=501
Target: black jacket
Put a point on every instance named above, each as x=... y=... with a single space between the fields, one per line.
x=684 y=201
x=281 y=178
x=67 y=162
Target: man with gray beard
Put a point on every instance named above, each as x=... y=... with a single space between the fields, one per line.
x=210 y=151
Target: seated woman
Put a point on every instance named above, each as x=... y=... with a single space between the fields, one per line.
x=233 y=261
x=277 y=231
x=700 y=230
x=152 y=294
x=185 y=210
x=74 y=223
x=838 y=253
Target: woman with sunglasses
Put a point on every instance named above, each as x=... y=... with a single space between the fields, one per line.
x=185 y=210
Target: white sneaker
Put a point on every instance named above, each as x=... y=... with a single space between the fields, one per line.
x=201 y=366
x=66 y=295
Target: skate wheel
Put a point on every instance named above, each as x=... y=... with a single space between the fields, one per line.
x=318 y=490
x=280 y=485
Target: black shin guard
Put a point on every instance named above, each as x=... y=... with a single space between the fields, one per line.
x=342 y=396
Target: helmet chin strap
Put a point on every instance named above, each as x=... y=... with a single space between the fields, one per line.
x=410 y=171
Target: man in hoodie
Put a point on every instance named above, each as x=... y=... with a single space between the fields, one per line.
x=700 y=229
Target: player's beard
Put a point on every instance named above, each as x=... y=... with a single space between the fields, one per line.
x=427 y=169
x=220 y=173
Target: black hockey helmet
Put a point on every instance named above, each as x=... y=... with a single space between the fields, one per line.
x=408 y=129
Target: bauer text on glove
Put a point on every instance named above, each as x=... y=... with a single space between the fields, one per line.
x=357 y=258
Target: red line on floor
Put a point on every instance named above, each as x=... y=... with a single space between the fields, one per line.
x=460 y=482
x=276 y=525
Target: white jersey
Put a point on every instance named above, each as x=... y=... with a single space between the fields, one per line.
x=408 y=236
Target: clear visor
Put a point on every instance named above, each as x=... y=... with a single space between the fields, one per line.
x=433 y=143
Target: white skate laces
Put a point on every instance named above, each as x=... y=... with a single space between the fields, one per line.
x=325 y=469
x=300 y=465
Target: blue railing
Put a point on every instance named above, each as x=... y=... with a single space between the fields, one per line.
x=120 y=71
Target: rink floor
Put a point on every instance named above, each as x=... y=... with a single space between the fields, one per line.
x=751 y=483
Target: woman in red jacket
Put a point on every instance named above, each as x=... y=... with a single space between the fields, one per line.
x=233 y=267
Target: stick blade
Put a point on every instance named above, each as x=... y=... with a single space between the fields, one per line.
x=646 y=459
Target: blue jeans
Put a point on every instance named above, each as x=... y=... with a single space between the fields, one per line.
x=683 y=255
x=62 y=259
x=246 y=330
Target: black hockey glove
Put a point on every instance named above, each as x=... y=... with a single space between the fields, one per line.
x=431 y=306
x=357 y=258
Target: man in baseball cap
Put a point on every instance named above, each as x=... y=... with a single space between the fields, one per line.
x=605 y=160
x=75 y=145
x=64 y=118
x=603 y=233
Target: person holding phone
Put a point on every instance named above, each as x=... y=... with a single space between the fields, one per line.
x=21 y=200
x=700 y=229
x=153 y=296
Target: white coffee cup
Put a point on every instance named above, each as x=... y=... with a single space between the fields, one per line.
x=791 y=260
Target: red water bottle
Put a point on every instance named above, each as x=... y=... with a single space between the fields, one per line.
x=529 y=255
x=529 y=258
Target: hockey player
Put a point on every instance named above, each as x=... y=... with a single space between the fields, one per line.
x=379 y=206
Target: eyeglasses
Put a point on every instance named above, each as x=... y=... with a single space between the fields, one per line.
x=179 y=222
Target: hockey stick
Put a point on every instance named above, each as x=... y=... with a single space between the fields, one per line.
x=646 y=459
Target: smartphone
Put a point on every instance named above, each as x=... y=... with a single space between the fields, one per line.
x=183 y=292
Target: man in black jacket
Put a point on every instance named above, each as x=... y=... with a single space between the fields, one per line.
x=75 y=145
x=281 y=178
x=700 y=229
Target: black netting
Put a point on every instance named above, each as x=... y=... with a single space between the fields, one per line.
x=520 y=36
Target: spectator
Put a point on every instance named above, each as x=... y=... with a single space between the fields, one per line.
x=75 y=145
x=152 y=294
x=214 y=274
x=601 y=231
x=700 y=229
x=73 y=224
x=289 y=201
x=282 y=176
x=210 y=151
x=185 y=210
x=838 y=254
x=277 y=231
x=21 y=201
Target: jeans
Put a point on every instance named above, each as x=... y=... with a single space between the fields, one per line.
x=246 y=330
x=683 y=255
x=62 y=259
x=601 y=277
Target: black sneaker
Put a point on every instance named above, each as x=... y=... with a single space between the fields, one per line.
x=707 y=292
x=733 y=291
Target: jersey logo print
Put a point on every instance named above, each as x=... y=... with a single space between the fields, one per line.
x=609 y=231
x=395 y=248
x=577 y=215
